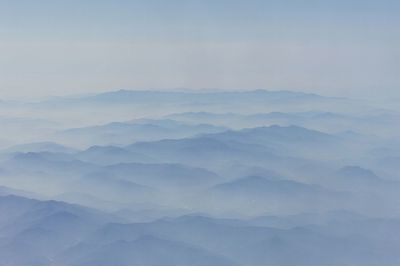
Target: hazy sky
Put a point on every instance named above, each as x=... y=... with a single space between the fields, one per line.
x=338 y=47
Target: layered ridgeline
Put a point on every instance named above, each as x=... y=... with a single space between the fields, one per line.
x=199 y=178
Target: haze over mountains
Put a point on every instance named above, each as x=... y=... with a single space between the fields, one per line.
x=199 y=178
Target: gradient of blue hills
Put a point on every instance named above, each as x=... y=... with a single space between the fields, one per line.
x=123 y=133
x=249 y=178
x=65 y=234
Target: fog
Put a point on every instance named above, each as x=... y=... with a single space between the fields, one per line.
x=214 y=177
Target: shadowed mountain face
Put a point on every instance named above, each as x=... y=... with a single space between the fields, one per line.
x=248 y=178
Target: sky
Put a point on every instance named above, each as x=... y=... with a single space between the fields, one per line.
x=340 y=48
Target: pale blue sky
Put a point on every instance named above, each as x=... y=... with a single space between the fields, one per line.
x=54 y=47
